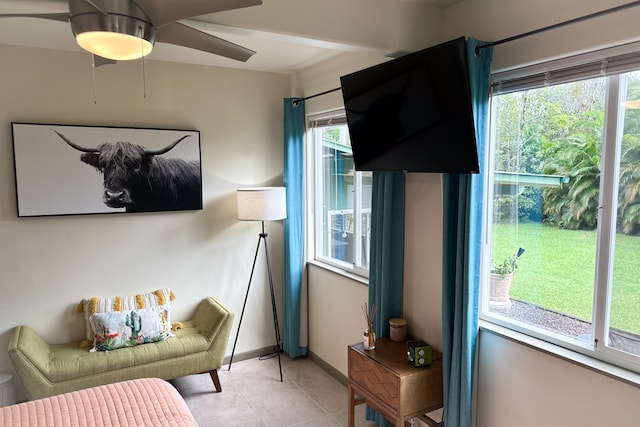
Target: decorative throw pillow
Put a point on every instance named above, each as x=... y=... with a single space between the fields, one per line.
x=119 y=329
x=132 y=302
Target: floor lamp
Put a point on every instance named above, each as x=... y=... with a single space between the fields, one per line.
x=262 y=204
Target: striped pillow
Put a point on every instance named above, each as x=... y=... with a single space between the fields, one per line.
x=118 y=303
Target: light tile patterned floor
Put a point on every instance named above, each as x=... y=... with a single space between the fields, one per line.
x=252 y=395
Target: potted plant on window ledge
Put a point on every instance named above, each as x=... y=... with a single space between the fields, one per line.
x=501 y=277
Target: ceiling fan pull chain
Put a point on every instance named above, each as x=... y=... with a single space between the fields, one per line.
x=93 y=74
x=144 y=74
x=144 y=79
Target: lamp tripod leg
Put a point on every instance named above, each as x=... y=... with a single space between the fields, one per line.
x=255 y=258
x=274 y=307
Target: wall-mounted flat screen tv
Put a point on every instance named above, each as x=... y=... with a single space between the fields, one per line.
x=413 y=113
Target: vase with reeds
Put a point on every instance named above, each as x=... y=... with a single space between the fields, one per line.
x=368 y=335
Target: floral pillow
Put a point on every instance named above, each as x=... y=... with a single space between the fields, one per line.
x=118 y=303
x=117 y=329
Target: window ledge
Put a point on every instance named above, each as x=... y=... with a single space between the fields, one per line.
x=585 y=361
x=339 y=271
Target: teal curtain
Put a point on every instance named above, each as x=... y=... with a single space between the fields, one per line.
x=293 y=226
x=462 y=228
x=387 y=256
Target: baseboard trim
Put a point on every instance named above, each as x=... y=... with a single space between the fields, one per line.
x=252 y=354
x=328 y=368
x=311 y=355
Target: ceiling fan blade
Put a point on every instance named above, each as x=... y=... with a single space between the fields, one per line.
x=183 y=35
x=162 y=12
x=89 y=3
x=64 y=17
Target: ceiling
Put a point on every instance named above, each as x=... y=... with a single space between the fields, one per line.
x=288 y=35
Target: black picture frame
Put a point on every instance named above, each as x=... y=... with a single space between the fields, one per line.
x=64 y=169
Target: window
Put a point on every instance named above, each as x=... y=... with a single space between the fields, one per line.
x=561 y=257
x=342 y=204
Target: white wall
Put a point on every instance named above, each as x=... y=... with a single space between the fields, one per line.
x=360 y=25
x=335 y=317
x=49 y=264
x=520 y=386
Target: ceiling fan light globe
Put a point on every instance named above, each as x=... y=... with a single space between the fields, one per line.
x=116 y=46
x=121 y=31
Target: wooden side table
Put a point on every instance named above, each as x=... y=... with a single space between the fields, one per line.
x=384 y=379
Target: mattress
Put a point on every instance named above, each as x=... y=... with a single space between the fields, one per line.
x=141 y=402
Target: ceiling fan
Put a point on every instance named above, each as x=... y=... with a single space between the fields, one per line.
x=127 y=29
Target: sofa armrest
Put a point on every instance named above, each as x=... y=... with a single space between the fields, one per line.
x=27 y=347
x=214 y=321
x=30 y=356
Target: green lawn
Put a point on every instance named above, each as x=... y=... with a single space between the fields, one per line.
x=557 y=270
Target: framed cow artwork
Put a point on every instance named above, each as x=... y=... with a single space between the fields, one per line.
x=75 y=170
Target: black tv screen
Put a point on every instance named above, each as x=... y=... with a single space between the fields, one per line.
x=413 y=113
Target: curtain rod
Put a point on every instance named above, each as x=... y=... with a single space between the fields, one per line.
x=478 y=48
x=296 y=101
x=560 y=24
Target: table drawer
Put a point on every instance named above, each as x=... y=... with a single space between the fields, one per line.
x=377 y=380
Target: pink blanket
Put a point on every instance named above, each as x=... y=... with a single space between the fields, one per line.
x=142 y=402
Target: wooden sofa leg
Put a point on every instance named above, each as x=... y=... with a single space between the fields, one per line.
x=216 y=379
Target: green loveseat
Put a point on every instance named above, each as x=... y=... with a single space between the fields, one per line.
x=49 y=369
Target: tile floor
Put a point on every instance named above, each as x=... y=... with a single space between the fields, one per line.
x=252 y=395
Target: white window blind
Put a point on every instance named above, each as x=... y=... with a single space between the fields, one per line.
x=331 y=118
x=605 y=62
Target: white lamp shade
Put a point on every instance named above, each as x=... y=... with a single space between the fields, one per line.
x=262 y=203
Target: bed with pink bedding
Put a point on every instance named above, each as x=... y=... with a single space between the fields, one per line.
x=141 y=402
